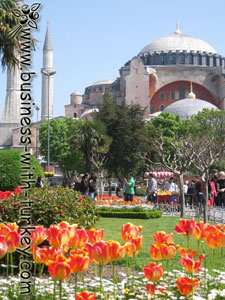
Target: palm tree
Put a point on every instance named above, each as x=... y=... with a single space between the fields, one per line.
x=8 y=44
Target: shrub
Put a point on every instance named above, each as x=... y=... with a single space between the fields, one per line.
x=52 y=205
x=10 y=169
x=140 y=192
x=131 y=214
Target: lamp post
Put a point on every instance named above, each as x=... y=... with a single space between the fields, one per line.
x=37 y=109
x=49 y=74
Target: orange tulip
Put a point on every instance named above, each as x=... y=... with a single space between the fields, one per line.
x=65 y=225
x=117 y=251
x=58 y=237
x=3 y=246
x=95 y=235
x=213 y=239
x=163 y=238
x=199 y=230
x=212 y=229
x=37 y=255
x=60 y=268
x=185 y=252
x=222 y=238
x=47 y=254
x=80 y=260
x=192 y=266
x=13 y=241
x=134 y=245
x=79 y=239
x=101 y=252
x=38 y=235
x=168 y=251
x=130 y=231
x=85 y=296
x=184 y=285
x=155 y=252
x=185 y=227
x=153 y=272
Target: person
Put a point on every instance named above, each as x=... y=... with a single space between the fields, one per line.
x=212 y=191
x=130 y=183
x=221 y=189
x=40 y=182
x=92 y=186
x=199 y=192
x=170 y=185
x=152 y=189
x=84 y=185
x=191 y=191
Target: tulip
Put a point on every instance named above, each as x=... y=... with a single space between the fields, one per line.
x=85 y=296
x=168 y=251
x=38 y=235
x=79 y=239
x=58 y=237
x=36 y=255
x=117 y=251
x=60 y=268
x=153 y=272
x=101 y=252
x=155 y=252
x=192 y=266
x=163 y=238
x=185 y=285
x=130 y=231
x=185 y=252
x=185 y=227
x=48 y=254
x=134 y=245
x=95 y=235
x=3 y=246
x=72 y=228
x=80 y=260
x=199 y=231
x=213 y=239
x=222 y=238
x=150 y=288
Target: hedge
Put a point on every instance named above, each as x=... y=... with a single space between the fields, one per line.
x=10 y=169
x=131 y=214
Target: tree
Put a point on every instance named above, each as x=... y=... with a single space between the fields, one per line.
x=69 y=159
x=8 y=44
x=125 y=125
x=89 y=138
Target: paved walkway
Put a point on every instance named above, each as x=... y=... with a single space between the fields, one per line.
x=216 y=214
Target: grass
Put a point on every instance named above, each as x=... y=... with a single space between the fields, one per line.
x=112 y=231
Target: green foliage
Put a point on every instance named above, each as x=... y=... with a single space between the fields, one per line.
x=131 y=214
x=69 y=158
x=51 y=206
x=140 y=192
x=125 y=125
x=10 y=169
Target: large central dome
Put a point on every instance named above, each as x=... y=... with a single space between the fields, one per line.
x=177 y=42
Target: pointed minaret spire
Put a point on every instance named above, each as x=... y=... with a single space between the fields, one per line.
x=191 y=95
x=47 y=78
x=178 y=27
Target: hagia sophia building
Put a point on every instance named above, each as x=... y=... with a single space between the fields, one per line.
x=176 y=73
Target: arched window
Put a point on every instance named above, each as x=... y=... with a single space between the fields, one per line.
x=161 y=107
x=75 y=115
x=202 y=96
x=162 y=96
x=181 y=92
x=152 y=109
x=172 y=94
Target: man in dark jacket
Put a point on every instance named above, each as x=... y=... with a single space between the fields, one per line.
x=84 y=185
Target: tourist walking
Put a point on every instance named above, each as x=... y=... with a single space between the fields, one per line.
x=221 y=189
x=92 y=186
x=152 y=189
x=84 y=185
x=199 y=193
x=130 y=183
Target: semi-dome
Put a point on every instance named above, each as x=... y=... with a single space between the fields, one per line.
x=177 y=42
x=188 y=107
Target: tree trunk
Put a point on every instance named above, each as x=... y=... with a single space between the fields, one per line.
x=206 y=197
x=182 y=198
x=101 y=184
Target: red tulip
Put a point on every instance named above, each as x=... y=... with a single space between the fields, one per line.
x=37 y=254
x=48 y=254
x=58 y=237
x=184 y=285
x=101 y=252
x=199 y=230
x=155 y=252
x=192 y=266
x=222 y=238
x=79 y=239
x=130 y=231
x=163 y=238
x=38 y=235
x=150 y=288
x=60 y=268
x=85 y=296
x=185 y=252
x=17 y=190
x=213 y=237
x=134 y=246
x=72 y=228
x=80 y=260
x=153 y=272
x=168 y=251
x=185 y=227
x=3 y=246
x=117 y=251
x=95 y=235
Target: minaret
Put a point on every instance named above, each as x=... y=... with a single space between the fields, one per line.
x=47 y=78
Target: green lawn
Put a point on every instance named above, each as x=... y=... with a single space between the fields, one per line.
x=112 y=231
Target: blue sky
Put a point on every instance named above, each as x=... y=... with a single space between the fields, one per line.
x=92 y=39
